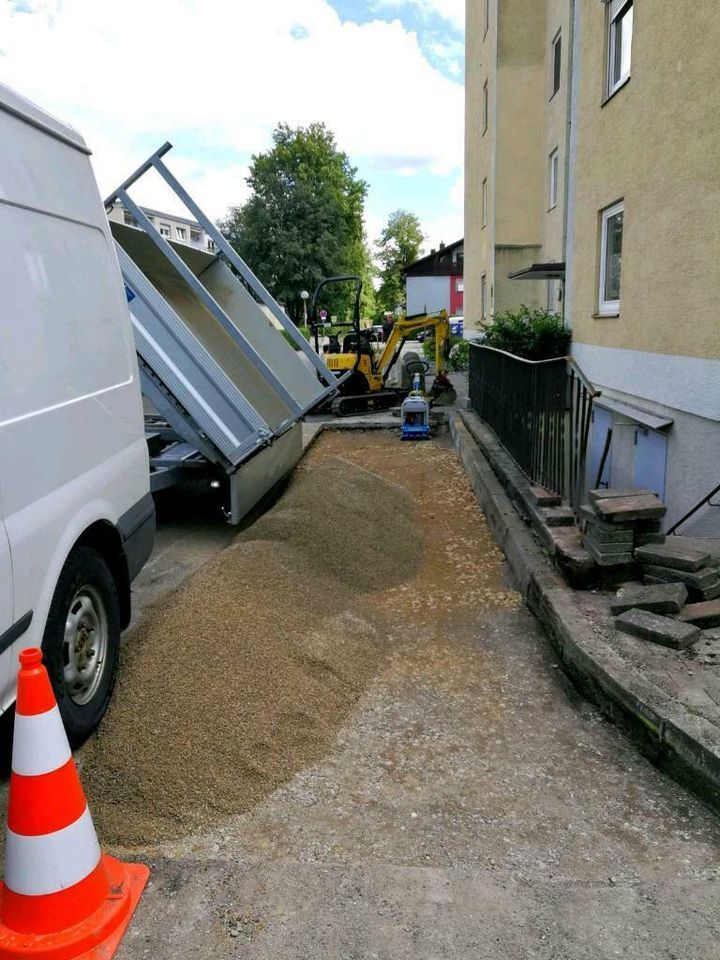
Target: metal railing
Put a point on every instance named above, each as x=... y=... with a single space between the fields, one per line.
x=540 y=411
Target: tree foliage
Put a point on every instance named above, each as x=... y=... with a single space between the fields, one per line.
x=304 y=218
x=398 y=245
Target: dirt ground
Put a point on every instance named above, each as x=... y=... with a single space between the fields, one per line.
x=463 y=801
x=470 y=804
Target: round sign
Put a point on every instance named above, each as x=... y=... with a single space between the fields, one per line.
x=323 y=314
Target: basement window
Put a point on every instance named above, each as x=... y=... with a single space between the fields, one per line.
x=619 y=46
x=611 y=240
x=554 y=177
x=556 y=64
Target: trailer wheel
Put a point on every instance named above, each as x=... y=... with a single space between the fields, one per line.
x=81 y=643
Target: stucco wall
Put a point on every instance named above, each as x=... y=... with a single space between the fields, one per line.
x=479 y=157
x=656 y=144
x=521 y=94
x=555 y=132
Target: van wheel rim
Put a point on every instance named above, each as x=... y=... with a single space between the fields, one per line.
x=85 y=645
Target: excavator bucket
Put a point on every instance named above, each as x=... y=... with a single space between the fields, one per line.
x=442 y=392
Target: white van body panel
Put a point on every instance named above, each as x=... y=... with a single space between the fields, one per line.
x=72 y=447
x=6 y=600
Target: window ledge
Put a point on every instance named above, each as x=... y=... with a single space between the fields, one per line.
x=553 y=207
x=606 y=316
x=617 y=90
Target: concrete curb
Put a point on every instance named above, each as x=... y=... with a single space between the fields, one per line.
x=679 y=742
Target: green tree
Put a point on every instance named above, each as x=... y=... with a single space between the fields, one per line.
x=304 y=218
x=398 y=245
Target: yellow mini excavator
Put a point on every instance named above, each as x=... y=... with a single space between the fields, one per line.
x=362 y=371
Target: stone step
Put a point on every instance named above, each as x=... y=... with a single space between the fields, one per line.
x=705 y=614
x=543 y=497
x=557 y=516
x=609 y=539
x=624 y=509
x=662 y=630
x=655 y=598
x=672 y=555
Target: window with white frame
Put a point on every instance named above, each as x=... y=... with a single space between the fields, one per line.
x=619 y=45
x=486 y=25
x=459 y=285
x=611 y=241
x=483 y=297
x=556 y=64
x=181 y=233
x=485 y=110
x=484 y=202
x=164 y=229
x=553 y=178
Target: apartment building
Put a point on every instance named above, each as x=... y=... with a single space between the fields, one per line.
x=515 y=154
x=634 y=238
x=177 y=229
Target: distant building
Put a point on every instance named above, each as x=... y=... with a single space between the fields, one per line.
x=178 y=229
x=436 y=282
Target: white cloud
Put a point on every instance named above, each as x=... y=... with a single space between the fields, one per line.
x=451 y=10
x=216 y=79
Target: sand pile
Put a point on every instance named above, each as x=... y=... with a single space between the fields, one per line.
x=241 y=678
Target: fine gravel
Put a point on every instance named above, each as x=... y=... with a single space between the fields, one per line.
x=241 y=678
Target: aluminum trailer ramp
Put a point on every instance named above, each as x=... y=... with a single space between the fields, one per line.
x=212 y=363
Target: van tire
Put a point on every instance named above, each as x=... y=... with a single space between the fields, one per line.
x=84 y=617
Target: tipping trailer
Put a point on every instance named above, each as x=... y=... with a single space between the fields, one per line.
x=227 y=390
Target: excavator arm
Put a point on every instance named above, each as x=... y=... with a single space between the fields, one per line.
x=403 y=329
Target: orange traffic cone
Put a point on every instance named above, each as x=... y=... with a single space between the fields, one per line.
x=62 y=897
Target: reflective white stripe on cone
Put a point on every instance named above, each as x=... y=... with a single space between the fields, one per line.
x=40 y=744
x=51 y=861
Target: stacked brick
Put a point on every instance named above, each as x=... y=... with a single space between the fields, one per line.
x=615 y=522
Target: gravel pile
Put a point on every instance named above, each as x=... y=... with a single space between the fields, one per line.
x=241 y=678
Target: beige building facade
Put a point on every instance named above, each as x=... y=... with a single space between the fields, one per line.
x=636 y=225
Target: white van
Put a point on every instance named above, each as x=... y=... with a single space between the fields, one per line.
x=76 y=517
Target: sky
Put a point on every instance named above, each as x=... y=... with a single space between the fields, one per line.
x=214 y=77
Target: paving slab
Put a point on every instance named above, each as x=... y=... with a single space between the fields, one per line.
x=609 y=558
x=705 y=614
x=673 y=555
x=612 y=493
x=662 y=630
x=624 y=509
x=699 y=580
x=655 y=598
x=605 y=527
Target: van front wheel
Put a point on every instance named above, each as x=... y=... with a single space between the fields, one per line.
x=81 y=643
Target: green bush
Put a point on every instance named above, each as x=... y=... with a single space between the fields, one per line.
x=528 y=332
x=459 y=352
x=305 y=331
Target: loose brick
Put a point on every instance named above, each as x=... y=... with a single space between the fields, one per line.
x=673 y=555
x=658 y=598
x=705 y=615
x=543 y=497
x=662 y=630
